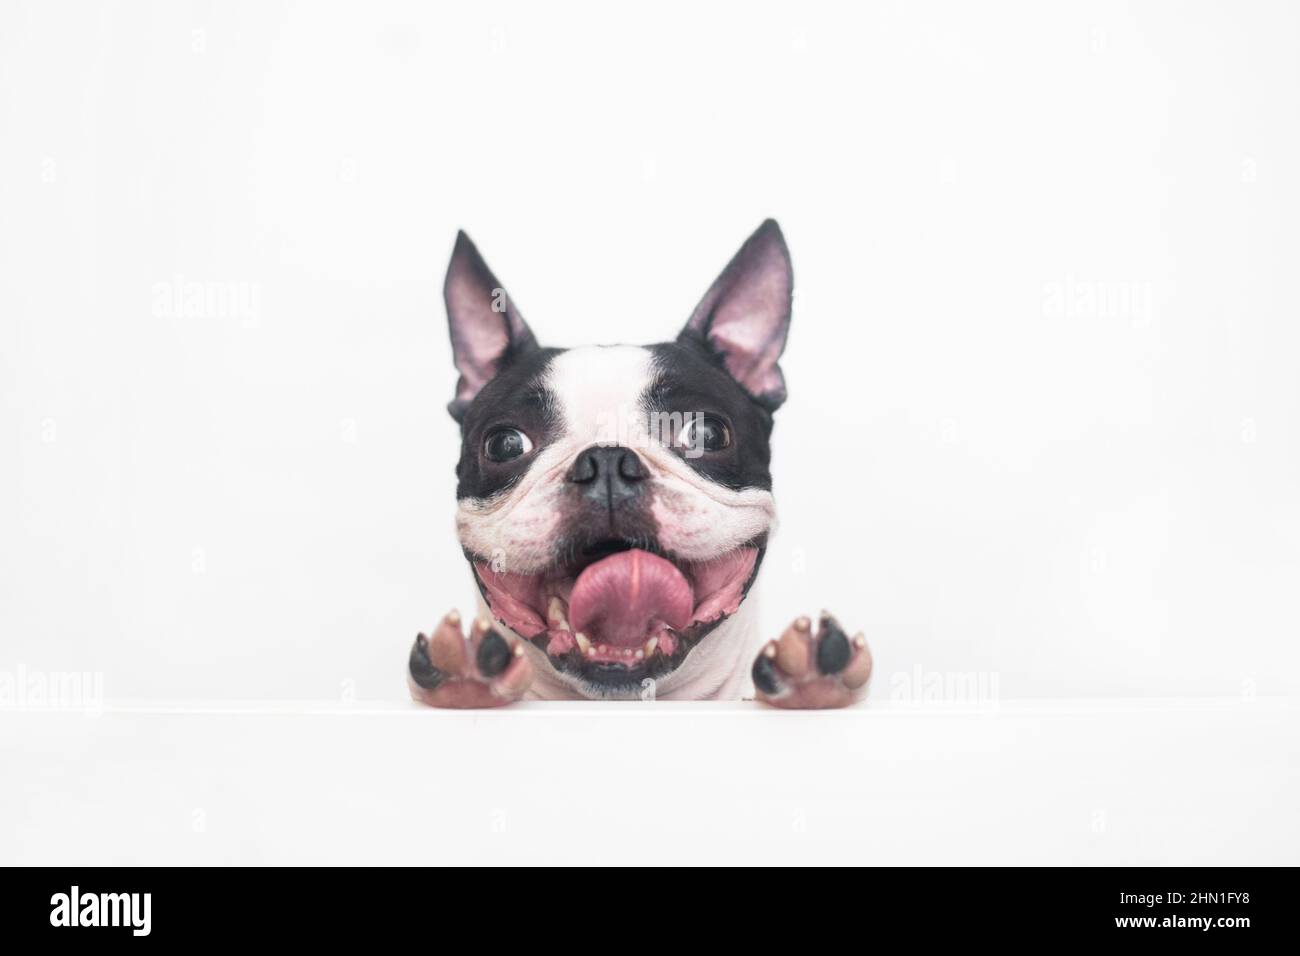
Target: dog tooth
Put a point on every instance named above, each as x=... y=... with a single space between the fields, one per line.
x=583 y=643
x=640 y=654
x=555 y=614
x=650 y=646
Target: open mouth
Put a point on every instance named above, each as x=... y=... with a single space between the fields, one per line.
x=620 y=613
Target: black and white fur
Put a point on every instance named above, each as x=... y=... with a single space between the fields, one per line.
x=529 y=514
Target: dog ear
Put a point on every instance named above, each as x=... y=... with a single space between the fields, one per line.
x=744 y=317
x=487 y=330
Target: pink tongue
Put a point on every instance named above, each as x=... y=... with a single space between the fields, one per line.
x=620 y=599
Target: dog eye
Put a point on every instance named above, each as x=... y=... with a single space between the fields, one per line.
x=503 y=444
x=703 y=433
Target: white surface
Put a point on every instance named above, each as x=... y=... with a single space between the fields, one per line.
x=1120 y=782
x=1007 y=483
x=979 y=465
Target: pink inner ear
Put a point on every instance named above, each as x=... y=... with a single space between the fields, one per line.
x=749 y=330
x=481 y=336
x=746 y=314
x=479 y=339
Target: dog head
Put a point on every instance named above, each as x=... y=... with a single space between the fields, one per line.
x=614 y=502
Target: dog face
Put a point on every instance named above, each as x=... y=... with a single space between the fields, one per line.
x=614 y=501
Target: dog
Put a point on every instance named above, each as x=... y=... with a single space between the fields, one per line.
x=614 y=505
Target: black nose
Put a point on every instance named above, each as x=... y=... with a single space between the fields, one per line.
x=608 y=474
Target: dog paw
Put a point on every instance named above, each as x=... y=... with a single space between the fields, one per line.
x=806 y=671
x=487 y=669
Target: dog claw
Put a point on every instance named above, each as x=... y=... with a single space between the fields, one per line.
x=764 y=674
x=440 y=672
x=832 y=647
x=493 y=654
x=806 y=671
x=423 y=673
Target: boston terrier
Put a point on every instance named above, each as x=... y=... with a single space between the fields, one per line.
x=614 y=504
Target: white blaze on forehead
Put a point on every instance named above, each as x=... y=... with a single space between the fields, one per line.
x=598 y=390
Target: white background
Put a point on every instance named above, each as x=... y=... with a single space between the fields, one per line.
x=1044 y=421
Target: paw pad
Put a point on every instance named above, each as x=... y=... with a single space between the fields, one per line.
x=440 y=672
x=806 y=670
